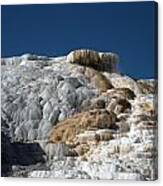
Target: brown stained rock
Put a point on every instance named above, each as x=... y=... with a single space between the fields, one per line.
x=87 y=137
x=123 y=126
x=83 y=57
x=93 y=104
x=119 y=105
x=91 y=138
x=148 y=108
x=98 y=104
x=147 y=125
x=101 y=82
x=94 y=136
x=67 y=130
x=125 y=104
x=97 y=60
x=147 y=87
x=82 y=149
x=104 y=135
x=149 y=147
x=97 y=79
x=125 y=93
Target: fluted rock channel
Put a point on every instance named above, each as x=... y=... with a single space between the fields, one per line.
x=76 y=116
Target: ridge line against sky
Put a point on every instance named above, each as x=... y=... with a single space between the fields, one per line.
x=55 y=29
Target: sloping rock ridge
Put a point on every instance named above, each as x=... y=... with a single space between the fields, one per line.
x=76 y=116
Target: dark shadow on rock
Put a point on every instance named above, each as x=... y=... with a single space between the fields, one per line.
x=27 y=154
x=19 y=154
x=5 y=155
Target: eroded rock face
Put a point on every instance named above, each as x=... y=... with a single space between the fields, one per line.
x=75 y=116
x=148 y=86
x=67 y=130
x=123 y=81
x=98 y=60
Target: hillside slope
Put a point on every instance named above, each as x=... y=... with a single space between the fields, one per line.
x=76 y=116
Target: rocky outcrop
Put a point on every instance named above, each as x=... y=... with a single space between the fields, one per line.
x=123 y=93
x=98 y=60
x=148 y=86
x=67 y=130
x=75 y=116
x=123 y=81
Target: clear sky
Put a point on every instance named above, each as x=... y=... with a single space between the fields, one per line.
x=128 y=29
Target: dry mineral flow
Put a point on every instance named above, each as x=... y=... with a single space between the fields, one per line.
x=76 y=116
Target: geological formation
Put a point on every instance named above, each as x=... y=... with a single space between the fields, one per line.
x=76 y=116
x=98 y=60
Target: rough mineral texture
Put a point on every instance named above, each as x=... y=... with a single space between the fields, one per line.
x=98 y=60
x=76 y=116
x=67 y=130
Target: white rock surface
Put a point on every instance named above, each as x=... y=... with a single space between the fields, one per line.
x=37 y=92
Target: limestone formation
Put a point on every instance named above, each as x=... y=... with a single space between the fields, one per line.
x=76 y=116
x=98 y=60
x=67 y=130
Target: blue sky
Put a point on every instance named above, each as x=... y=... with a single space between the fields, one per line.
x=128 y=29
